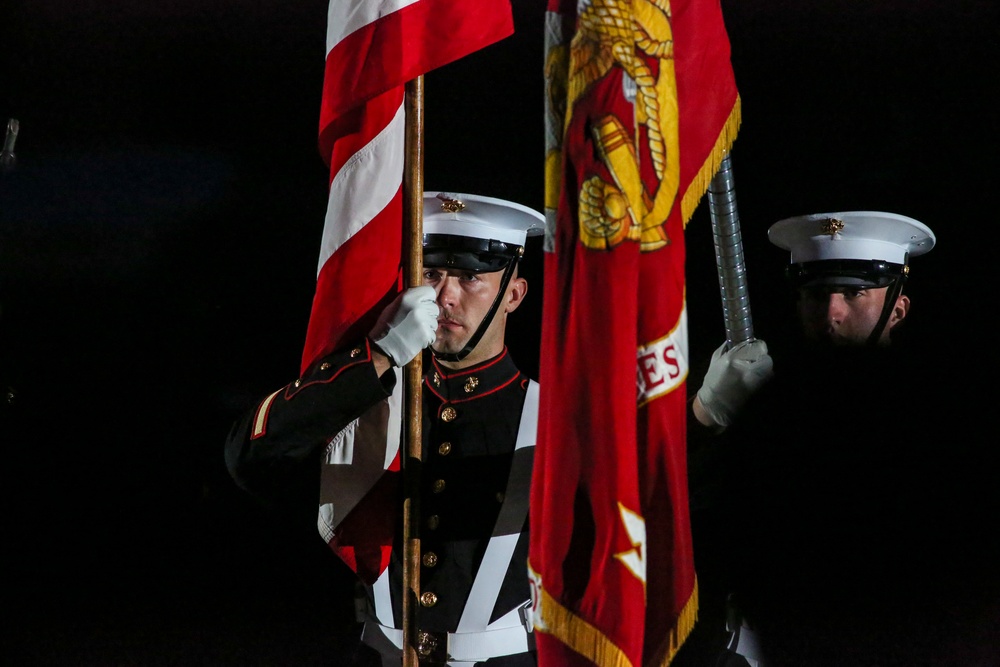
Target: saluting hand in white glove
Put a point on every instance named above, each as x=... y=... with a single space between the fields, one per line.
x=732 y=377
x=407 y=325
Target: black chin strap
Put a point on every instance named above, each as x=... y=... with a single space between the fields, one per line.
x=891 y=294
x=484 y=325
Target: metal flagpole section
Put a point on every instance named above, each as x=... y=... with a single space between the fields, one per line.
x=729 y=255
x=413 y=221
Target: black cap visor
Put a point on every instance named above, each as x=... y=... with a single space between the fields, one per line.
x=467 y=253
x=862 y=273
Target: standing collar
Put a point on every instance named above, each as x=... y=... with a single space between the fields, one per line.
x=473 y=382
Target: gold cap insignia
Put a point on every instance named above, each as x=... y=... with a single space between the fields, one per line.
x=832 y=226
x=450 y=205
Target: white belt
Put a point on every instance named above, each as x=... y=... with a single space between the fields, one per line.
x=470 y=647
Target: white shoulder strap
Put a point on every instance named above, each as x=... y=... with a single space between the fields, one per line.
x=496 y=560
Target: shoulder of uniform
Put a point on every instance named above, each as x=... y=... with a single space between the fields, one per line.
x=328 y=368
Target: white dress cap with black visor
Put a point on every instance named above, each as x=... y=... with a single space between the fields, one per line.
x=478 y=234
x=852 y=249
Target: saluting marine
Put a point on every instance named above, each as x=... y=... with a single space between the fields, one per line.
x=479 y=416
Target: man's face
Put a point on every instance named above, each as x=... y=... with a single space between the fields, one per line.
x=845 y=315
x=465 y=298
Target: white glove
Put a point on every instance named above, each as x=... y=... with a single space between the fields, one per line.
x=732 y=377
x=407 y=325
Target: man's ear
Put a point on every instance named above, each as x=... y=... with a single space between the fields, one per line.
x=899 y=310
x=516 y=290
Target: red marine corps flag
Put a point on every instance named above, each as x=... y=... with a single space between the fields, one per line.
x=373 y=48
x=642 y=108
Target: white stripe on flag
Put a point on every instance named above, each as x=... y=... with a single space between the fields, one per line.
x=364 y=186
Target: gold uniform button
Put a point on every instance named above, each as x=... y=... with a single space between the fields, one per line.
x=444 y=448
x=433 y=521
x=426 y=644
x=355 y=352
x=430 y=559
x=449 y=414
x=428 y=599
x=324 y=366
x=500 y=496
x=438 y=485
x=298 y=383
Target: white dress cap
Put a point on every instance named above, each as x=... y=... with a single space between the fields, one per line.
x=480 y=217
x=865 y=235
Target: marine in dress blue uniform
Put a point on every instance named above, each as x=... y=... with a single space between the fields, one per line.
x=814 y=497
x=478 y=431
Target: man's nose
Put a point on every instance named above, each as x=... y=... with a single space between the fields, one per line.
x=447 y=290
x=836 y=307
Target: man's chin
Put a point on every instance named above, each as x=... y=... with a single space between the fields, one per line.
x=447 y=347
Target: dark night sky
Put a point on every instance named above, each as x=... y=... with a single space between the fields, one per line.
x=158 y=243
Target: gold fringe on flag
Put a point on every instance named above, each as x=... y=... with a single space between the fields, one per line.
x=699 y=184
x=592 y=644
x=682 y=630
x=579 y=635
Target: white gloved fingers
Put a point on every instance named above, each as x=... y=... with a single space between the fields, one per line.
x=749 y=350
x=407 y=325
x=425 y=316
x=412 y=299
x=752 y=361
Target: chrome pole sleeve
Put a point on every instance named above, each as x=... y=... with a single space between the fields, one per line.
x=729 y=255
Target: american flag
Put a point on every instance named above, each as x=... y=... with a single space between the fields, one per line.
x=373 y=48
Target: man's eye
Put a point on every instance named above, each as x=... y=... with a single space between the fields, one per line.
x=470 y=277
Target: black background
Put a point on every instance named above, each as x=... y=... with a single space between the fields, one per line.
x=158 y=243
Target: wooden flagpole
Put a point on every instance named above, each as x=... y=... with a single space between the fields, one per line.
x=413 y=208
